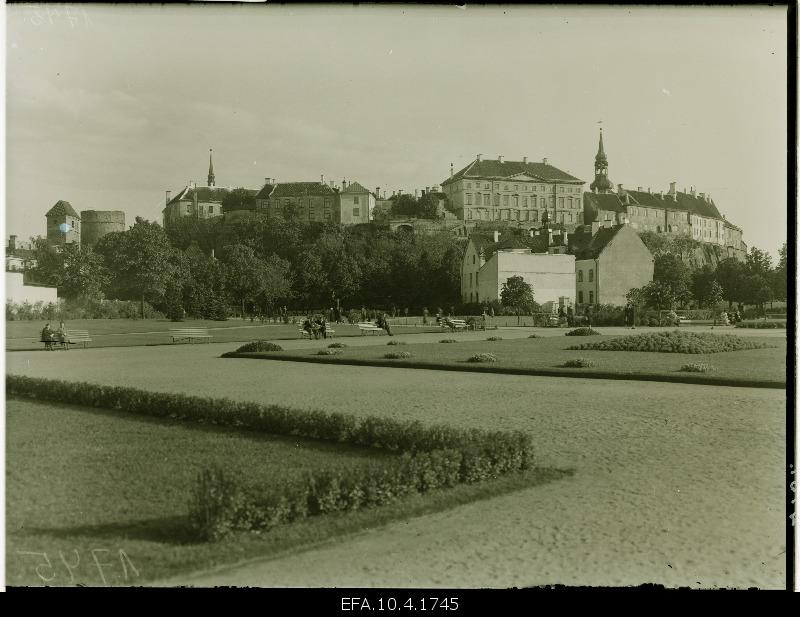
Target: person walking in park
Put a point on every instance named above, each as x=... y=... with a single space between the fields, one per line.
x=425 y=316
x=570 y=316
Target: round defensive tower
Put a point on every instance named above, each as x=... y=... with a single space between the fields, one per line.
x=96 y=224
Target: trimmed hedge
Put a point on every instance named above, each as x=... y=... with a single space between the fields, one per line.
x=581 y=332
x=495 y=338
x=431 y=456
x=337 y=346
x=762 y=325
x=396 y=342
x=329 y=352
x=677 y=341
x=448 y=340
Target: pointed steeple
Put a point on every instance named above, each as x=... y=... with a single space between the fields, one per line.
x=210 y=168
x=601 y=154
x=601 y=182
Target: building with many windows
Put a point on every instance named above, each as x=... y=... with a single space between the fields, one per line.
x=675 y=213
x=515 y=191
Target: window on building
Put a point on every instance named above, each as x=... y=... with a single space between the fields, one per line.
x=560 y=202
x=535 y=215
x=497 y=199
x=580 y=297
x=469 y=214
x=516 y=201
x=356 y=212
x=591 y=275
x=516 y=187
x=486 y=186
x=469 y=185
x=570 y=217
x=188 y=209
x=473 y=260
x=580 y=276
x=591 y=297
x=470 y=280
x=525 y=202
x=211 y=209
x=469 y=199
x=477 y=199
x=505 y=200
x=505 y=187
x=470 y=296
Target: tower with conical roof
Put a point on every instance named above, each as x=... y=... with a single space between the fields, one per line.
x=601 y=182
x=210 y=168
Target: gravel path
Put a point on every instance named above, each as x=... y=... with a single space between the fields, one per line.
x=674 y=484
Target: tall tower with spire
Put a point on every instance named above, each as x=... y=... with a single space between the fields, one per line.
x=210 y=168
x=601 y=182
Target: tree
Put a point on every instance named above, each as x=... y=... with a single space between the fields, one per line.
x=657 y=244
x=703 y=281
x=83 y=274
x=659 y=295
x=204 y=291
x=141 y=262
x=239 y=199
x=49 y=263
x=517 y=295
x=730 y=275
x=674 y=277
x=276 y=283
x=714 y=295
x=778 y=278
x=758 y=262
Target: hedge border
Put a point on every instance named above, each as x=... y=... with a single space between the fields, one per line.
x=434 y=456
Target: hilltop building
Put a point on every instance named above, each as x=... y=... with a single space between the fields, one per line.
x=675 y=213
x=63 y=224
x=515 y=191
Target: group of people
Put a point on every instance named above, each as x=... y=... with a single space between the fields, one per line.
x=316 y=326
x=51 y=337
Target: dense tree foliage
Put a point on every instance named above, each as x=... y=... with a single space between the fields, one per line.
x=517 y=295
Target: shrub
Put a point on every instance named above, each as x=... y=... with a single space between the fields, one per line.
x=396 y=355
x=696 y=367
x=578 y=363
x=448 y=340
x=396 y=342
x=495 y=338
x=254 y=346
x=534 y=336
x=582 y=332
x=337 y=346
x=762 y=325
x=329 y=352
x=482 y=357
x=677 y=341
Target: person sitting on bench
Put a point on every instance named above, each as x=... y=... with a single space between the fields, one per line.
x=383 y=323
x=309 y=327
x=48 y=337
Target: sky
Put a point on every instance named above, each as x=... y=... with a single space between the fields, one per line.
x=109 y=106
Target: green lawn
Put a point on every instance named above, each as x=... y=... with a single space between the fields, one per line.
x=545 y=355
x=88 y=487
x=22 y=335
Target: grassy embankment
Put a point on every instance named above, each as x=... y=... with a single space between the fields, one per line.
x=88 y=487
x=545 y=356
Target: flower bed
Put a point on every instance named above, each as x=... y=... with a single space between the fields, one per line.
x=397 y=355
x=676 y=341
x=482 y=357
x=329 y=352
x=762 y=325
x=431 y=456
x=448 y=340
x=255 y=346
x=578 y=363
x=582 y=332
x=337 y=346
x=495 y=338
x=696 y=367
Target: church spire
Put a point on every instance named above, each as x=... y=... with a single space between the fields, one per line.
x=601 y=182
x=210 y=168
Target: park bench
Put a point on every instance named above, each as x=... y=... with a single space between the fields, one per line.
x=454 y=325
x=72 y=337
x=190 y=334
x=367 y=326
x=329 y=333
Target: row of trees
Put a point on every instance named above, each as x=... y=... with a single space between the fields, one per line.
x=203 y=267
x=678 y=281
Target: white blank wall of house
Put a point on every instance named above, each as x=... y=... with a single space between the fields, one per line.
x=17 y=292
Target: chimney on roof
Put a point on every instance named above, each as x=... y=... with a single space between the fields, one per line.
x=169 y=196
x=496 y=235
x=648 y=189
x=477 y=158
x=672 y=188
x=451 y=170
x=377 y=192
x=693 y=192
x=639 y=189
x=322 y=178
x=524 y=159
x=500 y=158
x=12 y=243
x=544 y=160
x=344 y=184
